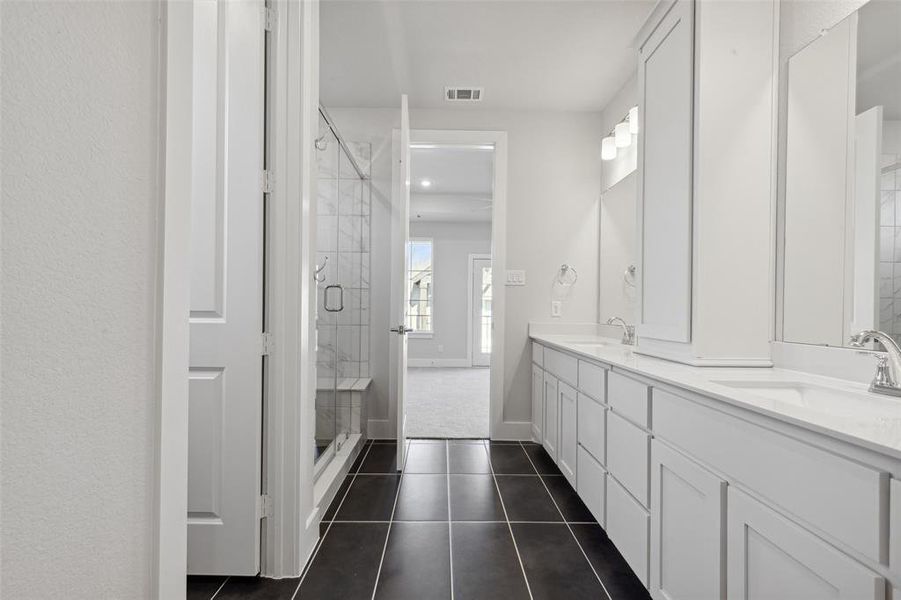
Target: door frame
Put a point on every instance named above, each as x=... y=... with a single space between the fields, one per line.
x=291 y=530
x=470 y=306
x=498 y=428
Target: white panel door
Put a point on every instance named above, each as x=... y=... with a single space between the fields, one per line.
x=550 y=415
x=665 y=167
x=567 y=445
x=771 y=558
x=402 y=294
x=225 y=400
x=687 y=534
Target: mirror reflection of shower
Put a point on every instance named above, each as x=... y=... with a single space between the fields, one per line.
x=342 y=286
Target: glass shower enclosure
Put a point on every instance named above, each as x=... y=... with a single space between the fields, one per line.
x=342 y=287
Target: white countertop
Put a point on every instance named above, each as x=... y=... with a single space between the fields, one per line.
x=839 y=408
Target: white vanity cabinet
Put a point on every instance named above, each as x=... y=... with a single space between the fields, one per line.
x=551 y=412
x=665 y=72
x=718 y=56
x=707 y=500
x=895 y=529
x=771 y=557
x=567 y=401
x=537 y=402
x=689 y=503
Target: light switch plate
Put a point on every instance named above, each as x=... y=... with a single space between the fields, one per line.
x=556 y=308
x=515 y=277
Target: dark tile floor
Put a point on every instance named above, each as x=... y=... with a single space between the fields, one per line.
x=466 y=519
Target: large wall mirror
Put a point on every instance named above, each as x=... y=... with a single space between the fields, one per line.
x=841 y=269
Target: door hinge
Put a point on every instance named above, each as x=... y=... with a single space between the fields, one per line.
x=270 y=17
x=266 y=343
x=268 y=181
x=264 y=506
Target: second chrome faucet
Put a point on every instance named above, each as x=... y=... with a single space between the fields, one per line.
x=628 y=330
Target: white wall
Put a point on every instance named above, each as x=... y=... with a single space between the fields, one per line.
x=80 y=197
x=452 y=243
x=552 y=218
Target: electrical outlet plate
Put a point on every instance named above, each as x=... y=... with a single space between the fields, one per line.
x=556 y=308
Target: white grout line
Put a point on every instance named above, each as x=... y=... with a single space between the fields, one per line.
x=450 y=529
x=400 y=483
x=582 y=550
x=216 y=593
x=332 y=522
x=509 y=527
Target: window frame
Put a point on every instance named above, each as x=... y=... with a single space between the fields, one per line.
x=431 y=301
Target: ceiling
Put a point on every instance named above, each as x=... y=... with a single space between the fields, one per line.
x=566 y=55
x=460 y=184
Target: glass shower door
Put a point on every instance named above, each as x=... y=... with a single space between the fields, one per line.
x=328 y=300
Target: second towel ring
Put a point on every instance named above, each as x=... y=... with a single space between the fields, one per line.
x=567 y=275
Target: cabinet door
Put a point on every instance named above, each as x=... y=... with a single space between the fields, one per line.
x=687 y=535
x=665 y=177
x=592 y=427
x=592 y=482
x=771 y=557
x=550 y=415
x=568 y=443
x=537 y=402
x=628 y=525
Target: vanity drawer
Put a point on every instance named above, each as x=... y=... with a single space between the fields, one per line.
x=630 y=398
x=592 y=480
x=629 y=527
x=628 y=456
x=894 y=531
x=562 y=366
x=592 y=419
x=538 y=354
x=592 y=379
x=842 y=498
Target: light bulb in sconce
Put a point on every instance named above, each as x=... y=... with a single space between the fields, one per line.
x=608 y=148
x=633 y=120
x=622 y=135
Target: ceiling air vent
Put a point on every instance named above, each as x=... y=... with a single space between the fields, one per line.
x=463 y=94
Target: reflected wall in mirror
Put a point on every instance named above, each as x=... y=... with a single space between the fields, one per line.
x=841 y=219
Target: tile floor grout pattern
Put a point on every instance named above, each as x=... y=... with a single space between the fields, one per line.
x=514 y=528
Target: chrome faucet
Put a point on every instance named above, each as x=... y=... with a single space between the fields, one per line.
x=888 y=369
x=628 y=330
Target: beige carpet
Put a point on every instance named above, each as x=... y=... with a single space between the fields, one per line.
x=447 y=403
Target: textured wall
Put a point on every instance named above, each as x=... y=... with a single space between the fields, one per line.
x=79 y=256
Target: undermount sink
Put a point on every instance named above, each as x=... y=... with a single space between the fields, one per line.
x=836 y=402
x=587 y=346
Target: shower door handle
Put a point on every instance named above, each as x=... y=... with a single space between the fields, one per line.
x=325 y=299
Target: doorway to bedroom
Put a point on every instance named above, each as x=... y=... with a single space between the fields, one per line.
x=449 y=274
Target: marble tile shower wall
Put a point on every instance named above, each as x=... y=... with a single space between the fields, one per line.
x=890 y=249
x=343 y=231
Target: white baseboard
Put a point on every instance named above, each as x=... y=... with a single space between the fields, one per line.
x=439 y=362
x=513 y=430
x=379 y=429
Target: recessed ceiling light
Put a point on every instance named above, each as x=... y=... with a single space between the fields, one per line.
x=426 y=183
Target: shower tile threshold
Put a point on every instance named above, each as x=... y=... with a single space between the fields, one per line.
x=465 y=519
